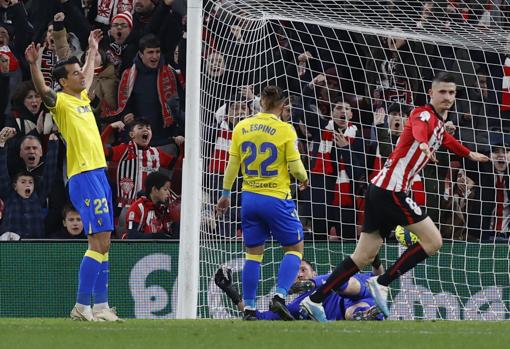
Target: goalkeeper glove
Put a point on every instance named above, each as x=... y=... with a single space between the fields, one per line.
x=302 y=286
x=223 y=279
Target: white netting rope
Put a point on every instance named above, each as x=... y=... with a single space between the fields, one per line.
x=379 y=60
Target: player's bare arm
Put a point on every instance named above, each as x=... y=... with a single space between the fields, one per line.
x=88 y=68
x=33 y=55
x=474 y=156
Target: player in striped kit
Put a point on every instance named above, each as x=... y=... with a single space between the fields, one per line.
x=387 y=202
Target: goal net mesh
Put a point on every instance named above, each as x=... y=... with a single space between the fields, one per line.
x=356 y=69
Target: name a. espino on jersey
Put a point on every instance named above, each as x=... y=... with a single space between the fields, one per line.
x=260 y=127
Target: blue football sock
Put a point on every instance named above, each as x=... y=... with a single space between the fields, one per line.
x=289 y=269
x=251 y=275
x=89 y=271
x=101 y=285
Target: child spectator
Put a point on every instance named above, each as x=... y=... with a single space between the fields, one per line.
x=149 y=216
x=72 y=225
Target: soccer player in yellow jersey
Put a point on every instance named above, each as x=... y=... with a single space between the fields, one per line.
x=89 y=190
x=266 y=147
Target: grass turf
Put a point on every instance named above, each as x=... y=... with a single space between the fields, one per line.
x=148 y=334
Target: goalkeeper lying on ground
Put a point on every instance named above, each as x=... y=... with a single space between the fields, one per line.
x=351 y=301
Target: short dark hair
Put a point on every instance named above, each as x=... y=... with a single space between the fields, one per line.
x=396 y=107
x=309 y=263
x=148 y=41
x=444 y=77
x=272 y=95
x=23 y=173
x=155 y=180
x=139 y=121
x=60 y=71
x=68 y=208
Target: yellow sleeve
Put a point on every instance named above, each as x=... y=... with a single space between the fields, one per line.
x=234 y=145
x=291 y=146
x=231 y=172
x=297 y=170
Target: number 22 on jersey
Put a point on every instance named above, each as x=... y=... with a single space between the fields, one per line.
x=267 y=151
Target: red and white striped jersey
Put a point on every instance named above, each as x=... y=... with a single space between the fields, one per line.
x=424 y=126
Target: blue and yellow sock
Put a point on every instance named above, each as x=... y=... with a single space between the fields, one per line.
x=89 y=271
x=289 y=269
x=251 y=275
x=101 y=285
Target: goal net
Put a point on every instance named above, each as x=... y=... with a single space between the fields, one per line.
x=357 y=68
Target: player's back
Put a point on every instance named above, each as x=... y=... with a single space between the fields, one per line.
x=265 y=145
x=76 y=123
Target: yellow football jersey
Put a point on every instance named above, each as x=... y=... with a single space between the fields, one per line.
x=265 y=145
x=76 y=123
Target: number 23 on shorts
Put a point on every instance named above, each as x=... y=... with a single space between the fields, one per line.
x=100 y=206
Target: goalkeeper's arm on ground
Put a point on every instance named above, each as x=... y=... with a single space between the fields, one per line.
x=223 y=279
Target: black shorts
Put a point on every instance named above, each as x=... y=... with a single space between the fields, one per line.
x=385 y=209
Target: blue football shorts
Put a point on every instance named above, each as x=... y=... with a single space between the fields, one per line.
x=91 y=195
x=263 y=215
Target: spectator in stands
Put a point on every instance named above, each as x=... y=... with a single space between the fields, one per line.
x=66 y=44
x=103 y=91
x=300 y=74
x=458 y=205
x=49 y=57
x=149 y=216
x=158 y=18
x=471 y=117
x=131 y=163
x=151 y=88
x=336 y=160
x=25 y=195
x=495 y=194
x=27 y=116
x=388 y=127
x=72 y=225
x=15 y=32
x=122 y=46
x=321 y=92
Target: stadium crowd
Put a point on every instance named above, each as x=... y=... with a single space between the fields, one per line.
x=349 y=98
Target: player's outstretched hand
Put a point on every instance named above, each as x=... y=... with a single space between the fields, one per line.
x=424 y=147
x=474 y=156
x=223 y=278
x=222 y=205
x=94 y=38
x=33 y=53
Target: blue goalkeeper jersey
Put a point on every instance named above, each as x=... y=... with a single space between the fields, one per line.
x=334 y=304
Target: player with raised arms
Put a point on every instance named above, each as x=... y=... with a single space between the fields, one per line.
x=388 y=205
x=89 y=190
x=267 y=149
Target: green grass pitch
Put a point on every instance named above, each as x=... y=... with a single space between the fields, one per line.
x=149 y=334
